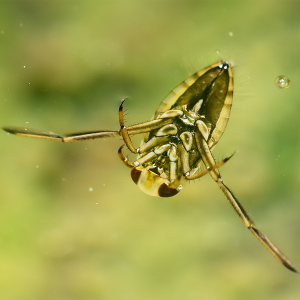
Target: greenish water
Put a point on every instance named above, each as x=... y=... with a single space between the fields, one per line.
x=73 y=224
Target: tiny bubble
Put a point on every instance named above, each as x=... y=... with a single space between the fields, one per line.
x=97 y=203
x=37 y=166
x=63 y=179
x=283 y=82
x=26 y=122
x=230 y=33
x=24 y=67
x=103 y=184
x=21 y=24
x=90 y=189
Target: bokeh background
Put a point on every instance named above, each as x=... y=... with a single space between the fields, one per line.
x=73 y=226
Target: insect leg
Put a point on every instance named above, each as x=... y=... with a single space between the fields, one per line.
x=51 y=136
x=155 y=141
x=184 y=158
x=124 y=158
x=209 y=162
x=173 y=163
x=208 y=169
x=31 y=133
x=147 y=126
x=150 y=155
x=141 y=128
x=123 y=130
x=87 y=135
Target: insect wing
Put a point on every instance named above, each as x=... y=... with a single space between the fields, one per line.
x=214 y=85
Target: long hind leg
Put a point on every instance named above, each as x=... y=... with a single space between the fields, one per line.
x=209 y=162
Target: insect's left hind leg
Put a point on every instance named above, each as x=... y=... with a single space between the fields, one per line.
x=209 y=162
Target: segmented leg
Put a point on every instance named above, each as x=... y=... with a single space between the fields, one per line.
x=163 y=124
x=123 y=130
x=173 y=168
x=208 y=169
x=184 y=157
x=31 y=133
x=51 y=136
x=87 y=135
x=124 y=158
x=215 y=174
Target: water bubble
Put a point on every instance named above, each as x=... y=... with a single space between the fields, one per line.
x=90 y=189
x=283 y=82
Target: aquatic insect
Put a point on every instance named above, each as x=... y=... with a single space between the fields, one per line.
x=186 y=127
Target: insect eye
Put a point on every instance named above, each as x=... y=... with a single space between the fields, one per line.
x=224 y=66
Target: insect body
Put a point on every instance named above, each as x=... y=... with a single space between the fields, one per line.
x=187 y=125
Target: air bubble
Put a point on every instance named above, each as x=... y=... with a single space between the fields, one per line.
x=90 y=189
x=283 y=82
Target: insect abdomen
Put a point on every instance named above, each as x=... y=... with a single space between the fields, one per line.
x=151 y=184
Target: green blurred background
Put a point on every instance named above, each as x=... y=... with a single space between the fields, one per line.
x=64 y=67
